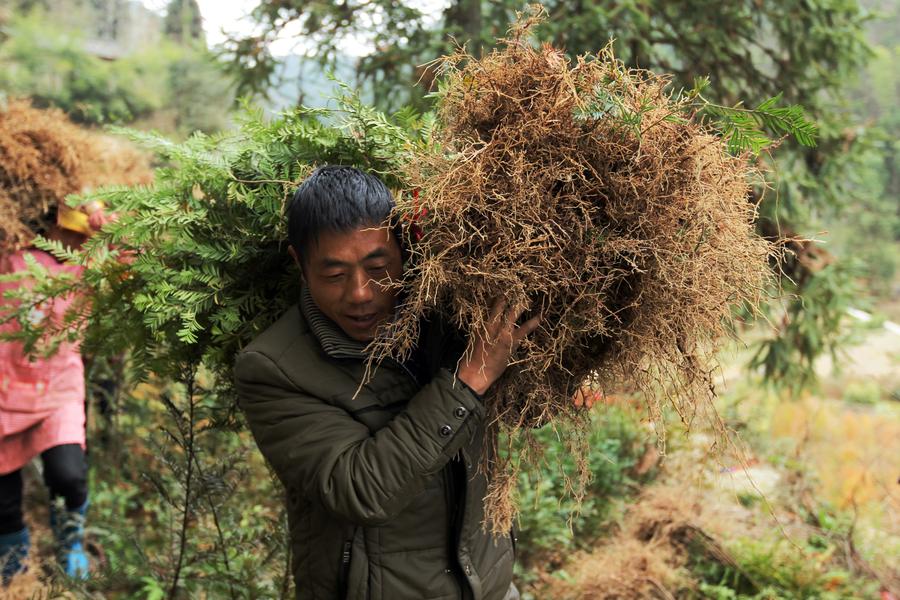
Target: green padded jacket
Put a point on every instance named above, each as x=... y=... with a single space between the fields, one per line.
x=384 y=494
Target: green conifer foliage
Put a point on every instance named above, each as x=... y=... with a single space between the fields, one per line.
x=198 y=264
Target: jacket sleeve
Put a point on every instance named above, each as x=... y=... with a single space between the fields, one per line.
x=320 y=451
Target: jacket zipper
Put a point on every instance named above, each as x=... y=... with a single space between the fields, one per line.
x=453 y=512
x=344 y=574
x=454 y=523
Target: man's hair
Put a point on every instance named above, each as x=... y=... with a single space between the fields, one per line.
x=335 y=199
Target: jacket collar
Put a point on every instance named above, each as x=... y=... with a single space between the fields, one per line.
x=333 y=340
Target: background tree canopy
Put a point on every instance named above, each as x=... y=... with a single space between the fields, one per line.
x=183 y=22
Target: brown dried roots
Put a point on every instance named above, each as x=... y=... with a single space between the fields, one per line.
x=586 y=192
x=665 y=529
x=44 y=157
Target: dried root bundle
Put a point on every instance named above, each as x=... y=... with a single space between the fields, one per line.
x=586 y=192
x=664 y=530
x=44 y=157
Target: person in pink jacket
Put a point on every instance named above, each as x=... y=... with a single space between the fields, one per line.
x=42 y=413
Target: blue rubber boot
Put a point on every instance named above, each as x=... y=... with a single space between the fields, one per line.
x=13 y=552
x=68 y=530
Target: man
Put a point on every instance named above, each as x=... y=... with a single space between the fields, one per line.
x=384 y=496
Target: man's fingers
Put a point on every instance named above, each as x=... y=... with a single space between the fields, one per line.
x=579 y=398
x=586 y=397
x=514 y=312
x=526 y=328
x=497 y=310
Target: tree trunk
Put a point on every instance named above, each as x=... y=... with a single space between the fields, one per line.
x=463 y=19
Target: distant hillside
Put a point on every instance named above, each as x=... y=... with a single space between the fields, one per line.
x=305 y=81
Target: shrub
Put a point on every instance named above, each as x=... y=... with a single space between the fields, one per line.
x=552 y=522
x=862 y=392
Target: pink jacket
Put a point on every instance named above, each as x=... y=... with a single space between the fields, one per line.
x=41 y=401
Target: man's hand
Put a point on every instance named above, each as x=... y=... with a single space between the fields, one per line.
x=586 y=396
x=99 y=218
x=492 y=350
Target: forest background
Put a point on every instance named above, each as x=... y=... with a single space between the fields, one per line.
x=819 y=513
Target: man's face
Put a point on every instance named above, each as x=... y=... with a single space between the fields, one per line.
x=343 y=272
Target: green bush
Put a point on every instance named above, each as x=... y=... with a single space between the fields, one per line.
x=186 y=84
x=775 y=567
x=170 y=466
x=551 y=522
x=53 y=69
x=862 y=392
